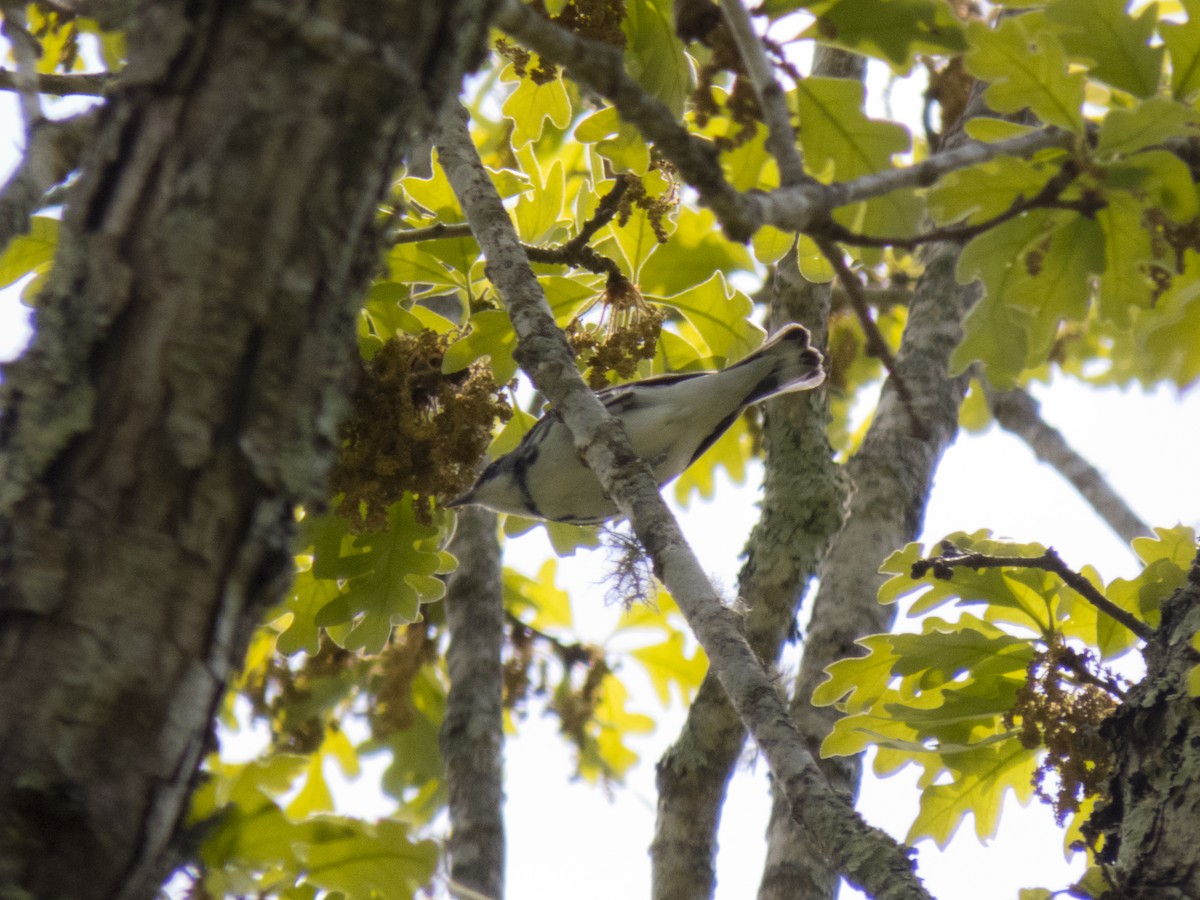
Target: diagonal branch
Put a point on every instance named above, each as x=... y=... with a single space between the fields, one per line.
x=864 y=855
x=781 y=137
x=1018 y=412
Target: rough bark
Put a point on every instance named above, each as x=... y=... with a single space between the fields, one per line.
x=191 y=361
x=864 y=855
x=891 y=476
x=803 y=499
x=473 y=732
x=1146 y=831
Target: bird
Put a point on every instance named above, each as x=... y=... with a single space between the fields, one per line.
x=670 y=419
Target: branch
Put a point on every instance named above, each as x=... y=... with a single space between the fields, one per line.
x=575 y=252
x=891 y=472
x=1018 y=412
x=866 y=856
x=781 y=137
x=472 y=737
x=90 y=84
x=804 y=495
x=952 y=558
x=1048 y=196
x=52 y=153
x=794 y=207
x=601 y=68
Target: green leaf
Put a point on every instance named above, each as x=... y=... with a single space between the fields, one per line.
x=636 y=240
x=1026 y=66
x=770 y=244
x=1161 y=177
x=1168 y=344
x=540 y=209
x=814 y=265
x=393 y=575
x=491 y=335
x=1125 y=284
x=1183 y=44
x=654 y=58
x=858 y=682
x=838 y=139
x=432 y=196
x=30 y=253
x=1151 y=122
x=892 y=30
x=976 y=194
x=978 y=788
x=1177 y=545
x=1036 y=271
x=1117 y=45
x=309 y=595
x=551 y=605
x=378 y=861
x=996 y=329
x=414 y=264
x=617 y=141
x=721 y=316
x=531 y=105
x=610 y=756
x=696 y=250
x=666 y=663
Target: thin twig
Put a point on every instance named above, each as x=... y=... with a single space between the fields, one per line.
x=442 y=231
x=876 y=345
x=797 y=208
x=781 y=136
x=575 y=252
x=952 y=558
x=90 y=84
x=1047 y=197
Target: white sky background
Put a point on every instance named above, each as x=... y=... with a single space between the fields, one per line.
x=570 y=839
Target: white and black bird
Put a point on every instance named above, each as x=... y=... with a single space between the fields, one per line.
x=670 y=419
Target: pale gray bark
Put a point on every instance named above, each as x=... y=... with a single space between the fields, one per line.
x=803 y=499
x=891 y=475
x=472 y=737
x=1018 y=412
x=192 y=357
x=865 y=856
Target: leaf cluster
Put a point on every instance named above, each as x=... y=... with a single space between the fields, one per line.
x=1008 y=696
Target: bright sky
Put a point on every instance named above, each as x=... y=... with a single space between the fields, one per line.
x=570 y=839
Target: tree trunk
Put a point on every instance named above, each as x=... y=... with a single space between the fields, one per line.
x=191 y=363
x=1146 y=832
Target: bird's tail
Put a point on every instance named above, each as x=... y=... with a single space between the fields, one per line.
x=787 y=362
